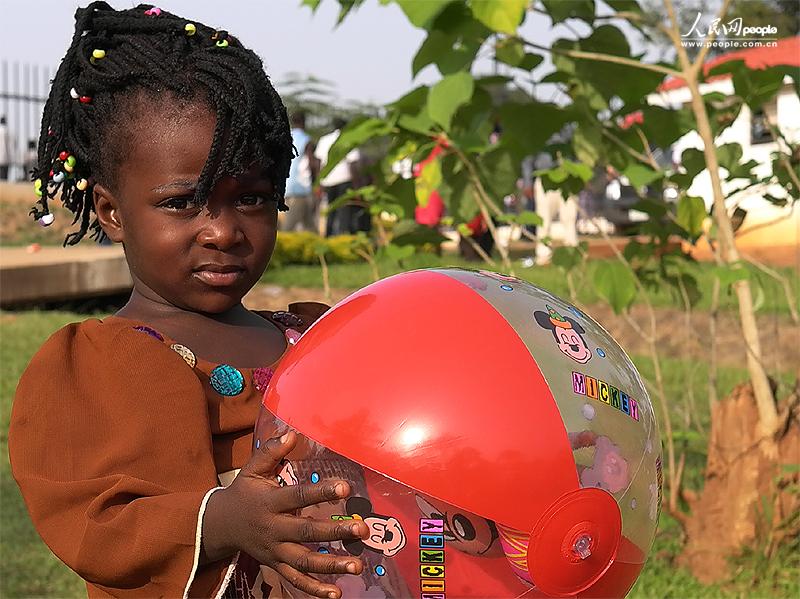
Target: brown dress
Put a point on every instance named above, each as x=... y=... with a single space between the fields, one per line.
x=117 y=437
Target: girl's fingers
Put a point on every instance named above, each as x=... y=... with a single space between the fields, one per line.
x=306 y=583
x=294 y=497
x=294 y=529
x=266 y=460
x=304 y=560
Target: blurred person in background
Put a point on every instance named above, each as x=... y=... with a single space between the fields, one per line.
x=353 y=216
x=304 y=169
x=6 y=149
x=29 y=159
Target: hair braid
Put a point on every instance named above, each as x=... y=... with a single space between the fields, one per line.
x=117 y=61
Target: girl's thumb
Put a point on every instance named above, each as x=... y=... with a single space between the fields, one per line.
x=268 y=455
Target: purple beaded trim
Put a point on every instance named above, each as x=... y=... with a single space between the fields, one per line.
x=152 y=332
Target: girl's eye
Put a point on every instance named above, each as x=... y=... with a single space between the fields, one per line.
x=179 y=203
x=253 y=200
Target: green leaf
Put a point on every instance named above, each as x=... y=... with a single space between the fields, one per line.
x=576 y=169
x=561 y=10
x=352 y=136
x=731 y=273
x=691 y=214
x=398 y=252
x=509 y=51
x=663 y=126
x=500 y=171
x=446 y=96
x=458 y=58
x=587 y=143
x=616 y=284
x=529 y=218
x=434 y=46
x=624 y=5
x=422 y=14
x=417 y=235
x=754 y=86
x=729 y=156
x=530 y=61
x=412 y=102
x=503 y=16
x=419 y=123
x=528 y=125
x=639 y=175
x=566 y=258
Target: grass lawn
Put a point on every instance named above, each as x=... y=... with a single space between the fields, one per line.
x=28 y=569
x=768 y=293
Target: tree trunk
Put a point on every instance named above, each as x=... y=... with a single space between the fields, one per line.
x=764 y=398
x=744 y=499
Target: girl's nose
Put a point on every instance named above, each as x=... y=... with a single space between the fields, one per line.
x=220 y=230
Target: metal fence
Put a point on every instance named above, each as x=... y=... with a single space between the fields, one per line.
x=23 y=92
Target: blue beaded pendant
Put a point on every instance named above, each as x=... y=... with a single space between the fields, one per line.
x=226 y=380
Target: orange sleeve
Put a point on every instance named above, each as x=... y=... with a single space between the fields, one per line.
x=110 y=444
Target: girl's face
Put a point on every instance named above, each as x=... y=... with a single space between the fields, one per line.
x=199 y=258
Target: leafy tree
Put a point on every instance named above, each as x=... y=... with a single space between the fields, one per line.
x=605 y=82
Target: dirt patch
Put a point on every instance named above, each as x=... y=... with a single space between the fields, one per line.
x=677 y=338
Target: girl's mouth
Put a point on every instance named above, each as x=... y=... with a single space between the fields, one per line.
x=218 y=275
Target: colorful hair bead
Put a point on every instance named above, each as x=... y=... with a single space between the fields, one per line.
x=68 y=168
x=73 y=93
x=153 y=12
x=85 y=99
x=37 y=187
x=82 y=184
x=98 y=54
x=222 y=43
x=190 y=29
x=59 y=177
x=47 y=219
x=70 y=161
x=63 y=155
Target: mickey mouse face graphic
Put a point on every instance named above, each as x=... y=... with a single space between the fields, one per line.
x=386 y=535
x=463 y=530
x=567 y=334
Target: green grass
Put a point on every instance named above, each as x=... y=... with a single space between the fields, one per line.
x=769 y=296
x=28 y=569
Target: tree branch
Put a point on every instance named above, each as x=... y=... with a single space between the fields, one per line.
x=701 y=56
x=630 y=62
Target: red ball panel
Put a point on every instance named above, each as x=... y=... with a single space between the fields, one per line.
x=446 y=397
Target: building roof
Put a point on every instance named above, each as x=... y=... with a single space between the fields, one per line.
x=785 y=52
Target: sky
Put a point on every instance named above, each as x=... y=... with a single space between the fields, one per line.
x=368 y=57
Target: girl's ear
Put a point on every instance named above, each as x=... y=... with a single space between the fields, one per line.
x=106 y=206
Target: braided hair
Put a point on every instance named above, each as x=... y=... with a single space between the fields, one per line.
x=119 y=61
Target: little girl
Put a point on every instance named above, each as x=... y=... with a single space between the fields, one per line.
x=131 y=436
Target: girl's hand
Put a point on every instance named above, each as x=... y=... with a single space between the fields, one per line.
x=255 y=515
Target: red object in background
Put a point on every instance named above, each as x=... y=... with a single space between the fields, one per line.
x=431 y=214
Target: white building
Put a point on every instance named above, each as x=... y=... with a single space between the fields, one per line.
x=750 y=131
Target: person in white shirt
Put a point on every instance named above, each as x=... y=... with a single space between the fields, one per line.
x=5 y=149
x=353 y=216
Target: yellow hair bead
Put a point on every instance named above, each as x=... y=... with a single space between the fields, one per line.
x=190 y=28
x=82 y=184
x=98 y=54
x=222 y=44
